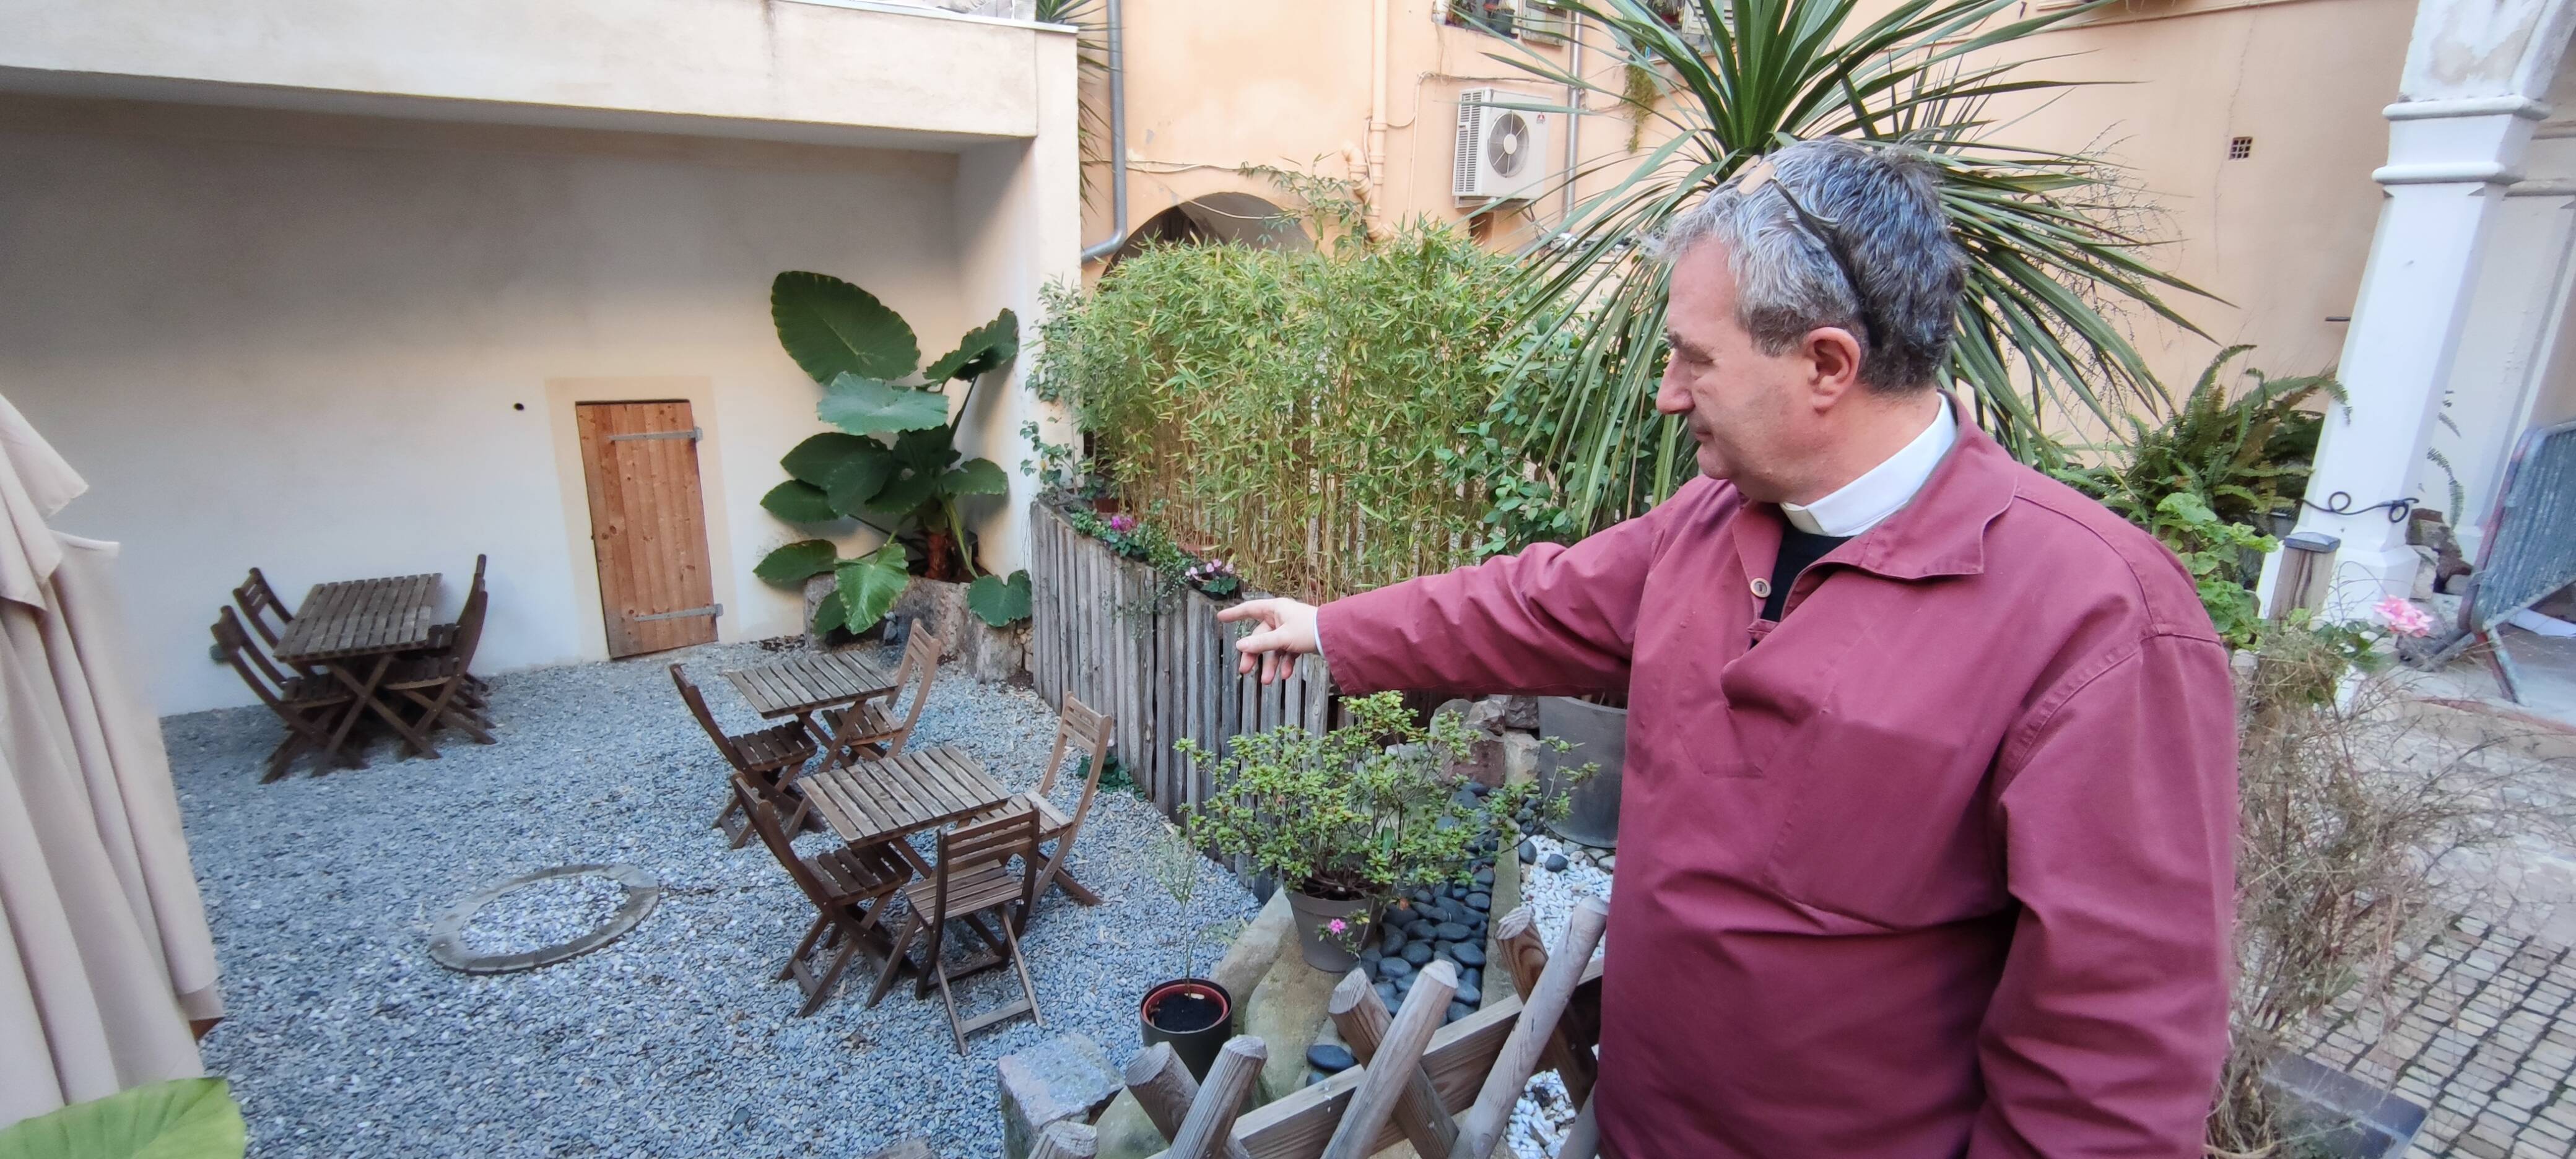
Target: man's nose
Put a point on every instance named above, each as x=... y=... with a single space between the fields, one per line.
x=1670 y=397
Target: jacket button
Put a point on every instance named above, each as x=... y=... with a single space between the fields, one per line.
x=1762 y=589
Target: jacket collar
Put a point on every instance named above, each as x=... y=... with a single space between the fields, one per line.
x=1942 y=532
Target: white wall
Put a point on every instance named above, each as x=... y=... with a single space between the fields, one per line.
x=296 y=341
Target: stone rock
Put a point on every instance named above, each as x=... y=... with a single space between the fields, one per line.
x=1483 y=766
x=990 y=653
x=1450 y=932
x=1520 y=757
x=1330 y=1059
x=1486 y=876
x=1529 y=852
x=1469 y=954
x=1127 y=1132
x=1258 y=947
x=1472 y=981
x=1421 y=930
x=1520 y=713
x=937 y=605
x=1417 y=953
x=1288 y=1009
x=1486 y=716
x=1386 y=994
x=1436 y=913
x=1470 y=997
x=1459 y=1010
x=1479 y=902
x=1607 y=861
x=1390 y=944
x=1067 y=1077
x=2428 y=563
x=1556 y=863
x=1399 y=969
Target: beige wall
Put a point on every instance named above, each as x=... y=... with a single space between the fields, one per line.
x=299 y=341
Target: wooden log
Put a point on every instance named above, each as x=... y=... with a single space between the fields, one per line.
x=1484 y=1124
x=1516 y=939
x=1583 y=1139
x=1363 y=1019
x=1394 y=1064
x=1163 y=1087
x=1220 y=1100
x=1065 y=1139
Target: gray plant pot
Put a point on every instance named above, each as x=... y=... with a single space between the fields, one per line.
x=1314 y=915
x=2355 y=1120
x=1599 y=736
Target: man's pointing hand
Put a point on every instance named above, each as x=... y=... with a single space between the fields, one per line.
x=1287 y=632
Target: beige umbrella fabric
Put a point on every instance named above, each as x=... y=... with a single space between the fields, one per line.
x=104 y=953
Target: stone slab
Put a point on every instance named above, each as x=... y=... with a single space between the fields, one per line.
x=1066 y=1077
x=1287 y=1009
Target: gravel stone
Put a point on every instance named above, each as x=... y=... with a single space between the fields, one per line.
x=1418 y=954
x=1330 y=1059
x=542 y=914
x=1556 y=863
x=344 y=1039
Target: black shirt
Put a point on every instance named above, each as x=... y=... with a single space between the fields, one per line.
x=1797 y=550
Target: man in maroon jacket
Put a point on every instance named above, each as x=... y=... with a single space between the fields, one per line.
x=1930 y=797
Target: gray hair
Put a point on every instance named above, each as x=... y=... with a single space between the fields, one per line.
x=1883 y=203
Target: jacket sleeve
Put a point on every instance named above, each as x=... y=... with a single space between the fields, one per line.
x=1553 y=620
x=2108 y=1027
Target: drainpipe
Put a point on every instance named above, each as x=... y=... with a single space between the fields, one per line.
x=1573 y=120
x=1377 y=106
x=1117 y=141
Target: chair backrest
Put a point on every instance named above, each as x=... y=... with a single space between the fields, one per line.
x=972 y=847
x=1077 y=729
x=477 y=585
x=919 y=667
x=469 y=625
x=258 y=600
x=706 y=720
x=764 y=817
x=246 y=659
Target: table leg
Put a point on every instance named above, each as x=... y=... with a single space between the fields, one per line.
x=366 y=695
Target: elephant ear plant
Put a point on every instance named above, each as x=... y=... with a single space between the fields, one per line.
x=893 y=464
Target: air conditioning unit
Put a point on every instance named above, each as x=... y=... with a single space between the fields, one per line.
x=1502 y=147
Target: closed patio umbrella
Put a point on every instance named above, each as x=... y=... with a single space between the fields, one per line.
x=105 y=958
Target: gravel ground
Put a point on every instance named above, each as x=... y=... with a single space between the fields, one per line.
x=543 y=913
x=344 y=1039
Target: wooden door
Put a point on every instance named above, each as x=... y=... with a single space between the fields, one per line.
x=647 y=524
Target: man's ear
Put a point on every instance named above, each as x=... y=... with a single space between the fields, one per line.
x=1833 y=361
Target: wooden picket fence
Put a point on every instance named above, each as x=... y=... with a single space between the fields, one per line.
x=1163 y=674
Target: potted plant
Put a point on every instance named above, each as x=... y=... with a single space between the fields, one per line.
x=1194 y=1014
x=893 y=465
x=1348 y=819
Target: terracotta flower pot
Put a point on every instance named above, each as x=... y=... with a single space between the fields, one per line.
x=1325 y=950
x=1193 y=1014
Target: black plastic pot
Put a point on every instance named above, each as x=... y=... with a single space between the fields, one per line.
x=1599 y=736
x=1193 y=1014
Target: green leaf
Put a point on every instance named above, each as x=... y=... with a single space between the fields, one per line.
x=180 y=1119
x=977 y=477
x=817 y=459
x=832 y=328
x=982 y=349
x=927 y=451
x=869 y=585
x=795 y=563
x=829 y=614
x=903 y=497
x=1000 y=602
x=854 y=489
x=868 y=406
x=798 y=502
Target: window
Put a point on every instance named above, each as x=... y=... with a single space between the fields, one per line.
x=1495 y=16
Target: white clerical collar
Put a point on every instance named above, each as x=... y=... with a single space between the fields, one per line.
x=1882 y=490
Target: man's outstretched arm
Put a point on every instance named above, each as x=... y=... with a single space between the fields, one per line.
x=1553 y=619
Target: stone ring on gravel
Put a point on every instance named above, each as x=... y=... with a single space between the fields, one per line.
x=447 y=942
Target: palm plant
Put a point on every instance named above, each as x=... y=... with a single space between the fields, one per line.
x=2047 y=261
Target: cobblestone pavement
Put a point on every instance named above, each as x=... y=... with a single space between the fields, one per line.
x=2481 y=1030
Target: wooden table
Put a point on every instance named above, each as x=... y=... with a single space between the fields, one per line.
x=803 y=683
x=896 y=797
x=355 y=628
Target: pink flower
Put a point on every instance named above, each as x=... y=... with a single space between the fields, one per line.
x=1122 y=524
x=1338 y=926
x=2403 y=617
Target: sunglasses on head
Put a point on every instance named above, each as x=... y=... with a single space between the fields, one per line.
x=1824 y=229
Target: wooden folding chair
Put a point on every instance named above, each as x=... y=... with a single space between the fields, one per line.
x=771 y=757
x=850 y=889
x=306 y=704
x=435 y=683
x=443 y=638
x=1078 y=729
x=973 y=877
x=868 y=728
x=259 y=603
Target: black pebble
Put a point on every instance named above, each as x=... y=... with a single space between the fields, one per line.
x=1470 y=955
x=1451 y=932
x=1529 y=852
x=1484 y=877
x=1330 y=1059
x=1390 y=944
x=1421 y=930
x=1470 y=997
x=1386 y=993
x=1458 y=1010
x=1480 y=903
x=1472 y=982
x=1556 y=863
x=1417 y=953
x=1399 y=970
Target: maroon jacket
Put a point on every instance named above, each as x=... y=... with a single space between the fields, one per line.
x=1943 y=867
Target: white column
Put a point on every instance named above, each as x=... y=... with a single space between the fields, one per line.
x=2469 y=100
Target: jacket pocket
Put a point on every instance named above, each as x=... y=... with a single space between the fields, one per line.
x=1885 y=822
